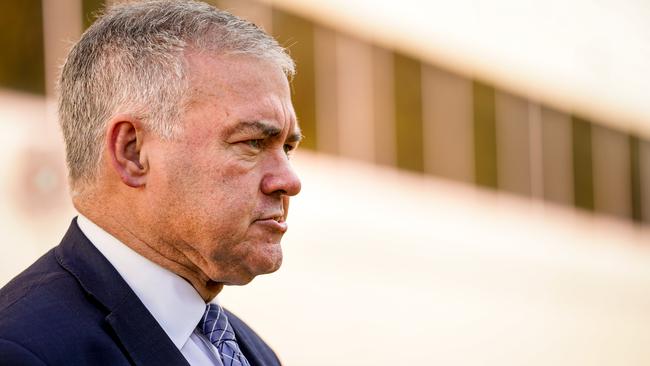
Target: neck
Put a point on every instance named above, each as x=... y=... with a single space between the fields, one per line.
x=165 y=255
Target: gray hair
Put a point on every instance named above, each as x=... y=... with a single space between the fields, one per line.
x=131 y=60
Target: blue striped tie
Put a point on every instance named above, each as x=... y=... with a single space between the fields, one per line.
x=216 y=327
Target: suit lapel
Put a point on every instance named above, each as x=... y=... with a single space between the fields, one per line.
x=141 y=336
x=145 y=342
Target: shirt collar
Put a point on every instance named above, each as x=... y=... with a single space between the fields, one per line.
x=172 y=301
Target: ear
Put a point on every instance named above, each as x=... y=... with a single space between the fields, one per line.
x=125 y=137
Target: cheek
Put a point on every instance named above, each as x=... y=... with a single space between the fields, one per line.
x=221 y=202
x=211 y=193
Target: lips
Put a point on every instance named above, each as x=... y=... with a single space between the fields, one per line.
x=278 y=218
x=275 y=222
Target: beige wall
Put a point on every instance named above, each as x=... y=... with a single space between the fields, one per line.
x=35 y=208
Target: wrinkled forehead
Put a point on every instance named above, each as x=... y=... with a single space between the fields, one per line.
x=239 y=74
x=241 y=86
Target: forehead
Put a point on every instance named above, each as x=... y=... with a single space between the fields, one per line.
x=225 y=91
x=237 y=79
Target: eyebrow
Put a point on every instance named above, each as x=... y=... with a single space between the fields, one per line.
x=266 y=129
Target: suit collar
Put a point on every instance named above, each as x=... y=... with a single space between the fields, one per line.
x=141 y=336
x=171 y=300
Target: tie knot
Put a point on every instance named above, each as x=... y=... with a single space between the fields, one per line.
x=215 y=326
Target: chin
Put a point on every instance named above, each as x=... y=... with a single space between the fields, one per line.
x=268 y=262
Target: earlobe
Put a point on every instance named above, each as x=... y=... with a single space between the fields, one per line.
x=125 y=138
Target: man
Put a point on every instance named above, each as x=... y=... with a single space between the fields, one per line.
x=178 y=127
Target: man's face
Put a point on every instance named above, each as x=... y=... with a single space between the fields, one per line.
x=220 y=190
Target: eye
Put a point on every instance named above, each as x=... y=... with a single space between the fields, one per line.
x=288 y=148
x=255 y=143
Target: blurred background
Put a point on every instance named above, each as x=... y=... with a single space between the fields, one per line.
x=476 y=177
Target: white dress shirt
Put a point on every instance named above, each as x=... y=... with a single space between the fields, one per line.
x=172 y=301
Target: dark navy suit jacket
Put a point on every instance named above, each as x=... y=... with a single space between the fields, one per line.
x=71 y=307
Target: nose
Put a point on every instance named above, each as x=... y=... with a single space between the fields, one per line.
x=281 y=178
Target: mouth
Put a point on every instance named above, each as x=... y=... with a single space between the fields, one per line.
x=275 y=222
x=276 y=216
